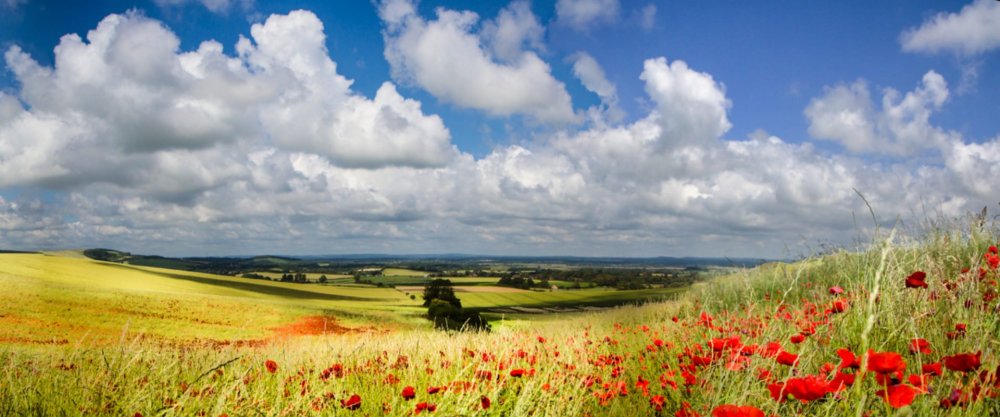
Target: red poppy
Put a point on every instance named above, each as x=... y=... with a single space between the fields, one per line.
x=916 y=280
x=836 y=290
x=484 y=402
x=920 y=345
x=729 y=410
x=963 y=362
x=409 y=393
x=789 y=359
x=885 y=362
x=840 y=382
x=428 y=407
x=658 y=402
x=847 y=360
x=433 y=390
x=798 y=338
x=805 y=389
x=686 y=411
x=271 y=366
x=897 y=396
x=517 y=373
x=992 y=260
x=839 y=305
x=352 y=403
x=993 y=249
x=931 y=368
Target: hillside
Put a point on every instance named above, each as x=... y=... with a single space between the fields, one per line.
x=905 y=328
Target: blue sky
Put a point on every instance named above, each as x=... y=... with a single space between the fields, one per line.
x=760 y=67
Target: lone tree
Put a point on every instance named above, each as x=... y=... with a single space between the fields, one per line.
x=445 y=309
x=441 y=289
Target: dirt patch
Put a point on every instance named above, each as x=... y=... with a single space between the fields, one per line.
x=312 y=326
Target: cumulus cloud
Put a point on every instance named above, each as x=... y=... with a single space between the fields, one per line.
x=847 y=115
x=692 y=106
x=973 y=30
x=446 y=57
x=306 y=165
x=590 y=73
x=581 y=14
x=126 y=107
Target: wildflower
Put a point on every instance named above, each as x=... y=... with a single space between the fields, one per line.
x=409 y=393
x=916 y=280
x=836 y=290
x=931 y=368
x=686 y=411
x=658 y=401
x=920 y=345
x=352 y=403
x=484 y=402
x=428 y=407
x=433 y=390
x=737 y=411
x=885 y=362
x=797 y=338
x=847 y=360
x=271 y=366
x=517 y=373
x=897 y=396
x=963 y=362
x=789 y=359
x=805 y=389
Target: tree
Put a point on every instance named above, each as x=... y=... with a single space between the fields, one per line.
x=441 y=289
x=322 y=279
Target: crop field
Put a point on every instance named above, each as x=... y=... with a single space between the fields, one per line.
x=312 y=276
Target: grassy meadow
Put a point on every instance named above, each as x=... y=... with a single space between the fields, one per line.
x=834 y=335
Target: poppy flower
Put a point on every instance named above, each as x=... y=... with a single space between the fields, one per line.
x=433 y=390
x=836 y=290
x=805 y=389
x=897 y=396
x=517 y=373
x=931 y=368
x=409 y=393
x=789 y=359
x=352 y=403
x=798 y=338
x=428 y=407
x=839 y=306
x=271 y=366
x=658 y=401
x=686 y=411
x=963 y=362
x=847 y=360
x=993 y=249
x=840 y=382
x=916 y=280
x=992 y=260
x=885 y=362
x=920 y=345
x=484 y=402
x=729 y=410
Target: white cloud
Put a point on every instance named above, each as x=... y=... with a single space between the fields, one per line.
x=514 y=28
x=445 y=57
x=973 y=30
x=309 y=166
x=581 y=14
x=590 y=73
x=126 y=108
x=847 y=115
x=692 y=106
x=647 y=17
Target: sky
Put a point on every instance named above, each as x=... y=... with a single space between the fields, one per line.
x=558 y=127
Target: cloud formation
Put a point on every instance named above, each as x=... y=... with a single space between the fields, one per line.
x=901 y=127
x=153 y=149
x=446 y=57
x=973 y=30
x=581 y=14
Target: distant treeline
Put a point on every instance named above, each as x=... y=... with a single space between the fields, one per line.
x=623 y=279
